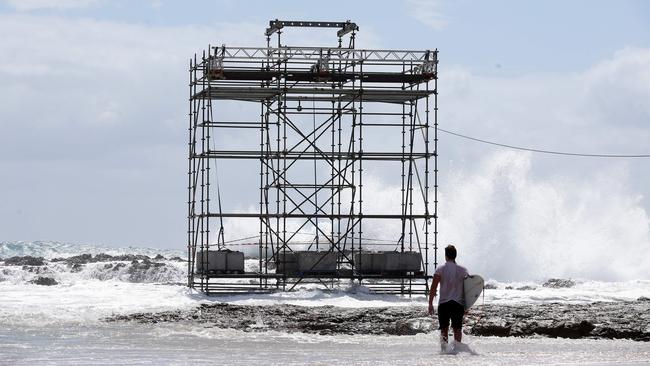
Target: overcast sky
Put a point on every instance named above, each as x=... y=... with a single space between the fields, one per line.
x=93 y=106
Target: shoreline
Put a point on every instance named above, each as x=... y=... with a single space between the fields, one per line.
x=598 y=320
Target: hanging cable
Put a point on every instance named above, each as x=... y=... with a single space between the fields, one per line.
x=546 y=151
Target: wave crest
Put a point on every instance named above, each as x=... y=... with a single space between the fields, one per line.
x=134 y=268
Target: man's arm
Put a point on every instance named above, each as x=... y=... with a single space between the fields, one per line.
x=433 y=291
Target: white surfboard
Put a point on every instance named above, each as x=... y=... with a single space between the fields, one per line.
x=472 y=288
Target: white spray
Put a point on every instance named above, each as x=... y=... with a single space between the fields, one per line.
x=510 y=226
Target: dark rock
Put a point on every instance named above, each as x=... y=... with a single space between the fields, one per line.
x=599 y=320
x=44 y=281
x=509 y=287
x=492 y=327
x=412 y=326
x=25 y=261
x=545 y=327
x=559 y=283
x=574 y=330
x=103 y=257
x=177 y=259
x=159 y=257
x=595 y=320
x=490 y=286
x=143 y=257
x=77 y=267
x=605 y=332
x=79 y=259
x=643 y=298
x=520 y=329
x=526 y=288
x=35 y=269
x=140 y=271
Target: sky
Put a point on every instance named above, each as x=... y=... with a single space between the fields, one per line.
x=94 y=105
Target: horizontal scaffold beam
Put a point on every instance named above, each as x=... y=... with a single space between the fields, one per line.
x=302 y=75
x=310 y=155
x=258 y=94
x=335 y=54
x=315 y=216
x=346 y=27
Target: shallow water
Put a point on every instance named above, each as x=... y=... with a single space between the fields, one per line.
x=141 y=344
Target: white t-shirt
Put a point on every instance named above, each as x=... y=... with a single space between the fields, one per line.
x=451 y=282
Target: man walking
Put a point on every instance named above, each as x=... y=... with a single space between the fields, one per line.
x=451 y=304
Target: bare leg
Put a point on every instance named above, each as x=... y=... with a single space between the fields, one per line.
x=443 y=334
x=443 y=339
x=458 y=335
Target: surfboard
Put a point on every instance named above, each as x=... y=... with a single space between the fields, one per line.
x=472 y=288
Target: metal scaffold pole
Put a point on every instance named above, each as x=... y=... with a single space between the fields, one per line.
x=326 y=124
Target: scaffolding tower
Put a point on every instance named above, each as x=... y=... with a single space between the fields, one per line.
x=325 y=117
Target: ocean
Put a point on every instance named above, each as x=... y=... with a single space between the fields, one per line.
x=65 y=323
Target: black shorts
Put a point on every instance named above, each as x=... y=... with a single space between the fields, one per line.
x=451 y=310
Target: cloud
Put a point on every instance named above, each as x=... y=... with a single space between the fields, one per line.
x=30 y=5
x=602 y=109
x=94 y=118
x=617 y=87
x=108 y=82
x=427 y=12
x=93 y=142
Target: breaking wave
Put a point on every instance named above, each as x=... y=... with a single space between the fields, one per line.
x=52 y=263
x=54 y=249
x=512 y=226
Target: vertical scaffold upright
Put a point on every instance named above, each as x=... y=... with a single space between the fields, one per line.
x=327 y=116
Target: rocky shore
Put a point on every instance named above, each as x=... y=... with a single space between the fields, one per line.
x=127 y=267
x=606 y=320
x=630 y=320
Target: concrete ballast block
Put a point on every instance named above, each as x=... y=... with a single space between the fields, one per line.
x=219 y=261
x=316 y=262
x=369 y=263
x=402 y=262
x=287 y=263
